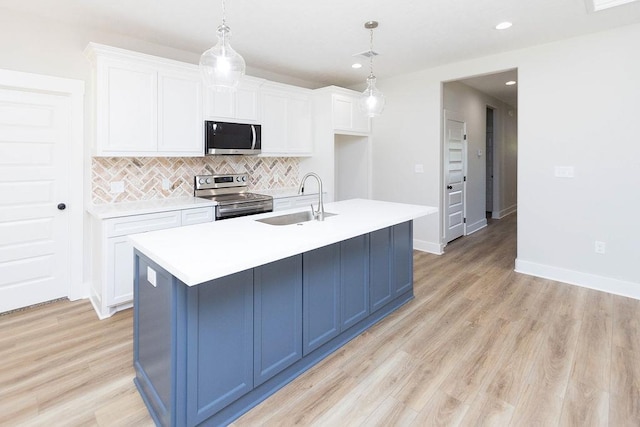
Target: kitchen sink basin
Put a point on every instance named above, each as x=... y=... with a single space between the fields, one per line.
x=292 y=218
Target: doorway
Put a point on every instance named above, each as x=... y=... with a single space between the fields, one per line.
x=489 y=162
x=488 y=105
x=352 y=167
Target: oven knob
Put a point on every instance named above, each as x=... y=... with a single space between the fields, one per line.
x=244 y=179
x=201 y=180
x=208 y=180
x=237 y=179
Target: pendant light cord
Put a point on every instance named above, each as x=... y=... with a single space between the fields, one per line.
x=224 y=13
x=371 y=54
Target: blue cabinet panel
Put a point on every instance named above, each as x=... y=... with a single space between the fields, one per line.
x=219 y=344
x=277 y=317
x=403 y=256
x=381 y=285
x=354 y=280
x=153 y=357
x=320 y=296
x=391 y=268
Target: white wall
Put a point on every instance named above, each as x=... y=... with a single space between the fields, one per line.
x=472 y=105
x=577 y=106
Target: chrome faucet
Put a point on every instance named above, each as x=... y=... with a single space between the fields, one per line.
x=319 y=214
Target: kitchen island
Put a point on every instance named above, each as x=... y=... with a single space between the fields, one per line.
x=226 y=313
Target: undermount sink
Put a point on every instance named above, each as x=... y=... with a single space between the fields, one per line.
x=292 y=218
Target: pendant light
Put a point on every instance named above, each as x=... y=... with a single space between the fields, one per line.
x=221 y=66
x=371 y=101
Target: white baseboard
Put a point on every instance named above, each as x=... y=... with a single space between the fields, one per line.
x=504 y=212
x=430 y=247
x=586 y=280
x=478 y=225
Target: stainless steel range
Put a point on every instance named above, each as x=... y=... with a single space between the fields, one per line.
x=229 y=192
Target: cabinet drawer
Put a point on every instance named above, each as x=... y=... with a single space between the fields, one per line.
x=197 y=216
x=141 y=223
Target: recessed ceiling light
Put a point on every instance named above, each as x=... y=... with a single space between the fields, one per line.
x=356 y=65
x=510 y=83
x=503 y=25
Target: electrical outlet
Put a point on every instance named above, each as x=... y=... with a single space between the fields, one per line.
x=166 y=184
x=600 y=247
x=117 y=187
x=564 y=172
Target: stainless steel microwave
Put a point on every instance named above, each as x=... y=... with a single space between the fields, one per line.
x=223 y=138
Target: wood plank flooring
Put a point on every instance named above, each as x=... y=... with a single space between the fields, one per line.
x=479 y=345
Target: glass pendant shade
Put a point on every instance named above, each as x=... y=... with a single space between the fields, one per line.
x=221 y=66
x=371 y=101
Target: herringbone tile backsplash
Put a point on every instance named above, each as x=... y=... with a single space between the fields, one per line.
x=143 y=176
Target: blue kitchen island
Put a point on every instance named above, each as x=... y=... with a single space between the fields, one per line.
x=212 y=341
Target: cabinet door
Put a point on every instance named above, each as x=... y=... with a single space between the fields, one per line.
x=120 y=273
x=381 y=290
x=347 y=115
x=320 y=296
x=286 y=122
x=247 y=102
x=354 y=280
x=126 y=108
x=403 y=257
x=299 y=138
x=180 y=120
x=277 y=322
x=220 y=344
x=274 y=123
x=241 y=105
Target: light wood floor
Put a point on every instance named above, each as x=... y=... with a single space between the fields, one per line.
x=479 y=345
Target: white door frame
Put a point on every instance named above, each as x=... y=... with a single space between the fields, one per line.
x=74 y=89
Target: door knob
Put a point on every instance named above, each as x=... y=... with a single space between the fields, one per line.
x=62 y=206
x=449 y=187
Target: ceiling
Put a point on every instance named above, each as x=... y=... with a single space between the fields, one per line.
x=316 y=41
x=495 y=85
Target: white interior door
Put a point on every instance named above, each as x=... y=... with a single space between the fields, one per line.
x=454 y=166
x=35 y=130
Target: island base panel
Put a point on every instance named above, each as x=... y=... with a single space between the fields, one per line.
x=180 y=331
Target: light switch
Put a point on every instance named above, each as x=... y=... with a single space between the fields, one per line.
x=418 y=168
x=564 y=171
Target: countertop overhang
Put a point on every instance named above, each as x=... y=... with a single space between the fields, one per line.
x=199 y=253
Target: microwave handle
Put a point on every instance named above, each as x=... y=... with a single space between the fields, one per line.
x=253 y=135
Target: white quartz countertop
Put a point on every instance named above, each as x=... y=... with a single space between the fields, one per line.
x=198 y=253
x=115 y=210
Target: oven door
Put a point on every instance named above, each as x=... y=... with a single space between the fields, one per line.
x=233 y=210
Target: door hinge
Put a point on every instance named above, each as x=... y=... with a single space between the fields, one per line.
x=465 y=179
x=464 y=220
x=465 y=137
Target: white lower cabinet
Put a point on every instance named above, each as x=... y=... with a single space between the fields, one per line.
x=112 y=288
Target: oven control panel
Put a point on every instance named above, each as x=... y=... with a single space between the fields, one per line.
x=203 y=182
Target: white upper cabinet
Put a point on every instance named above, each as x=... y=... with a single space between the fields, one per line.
x=346 y=114
x=180 y=124
x=242 y=106
x=144 y=105
x=286 y=120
